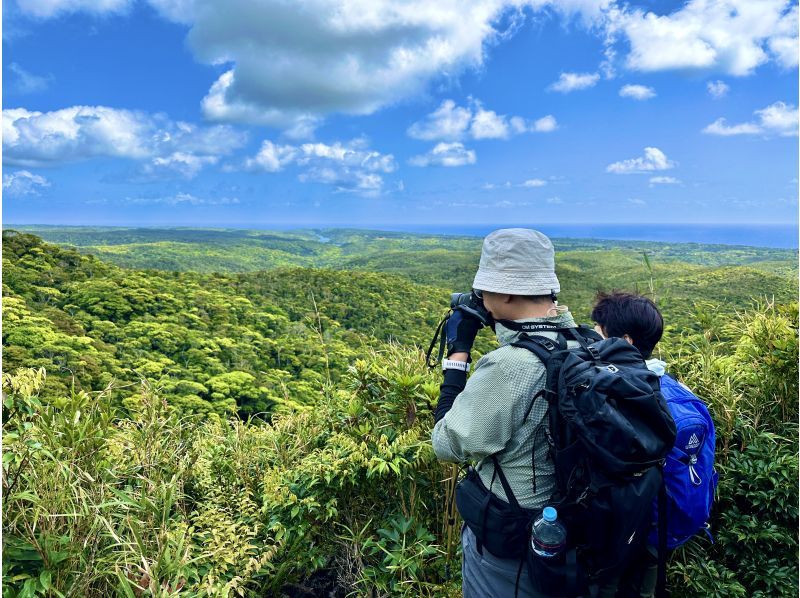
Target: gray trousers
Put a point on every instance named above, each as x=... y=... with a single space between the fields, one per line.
x=486 y=576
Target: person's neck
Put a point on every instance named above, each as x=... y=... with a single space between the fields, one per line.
x=536 y=310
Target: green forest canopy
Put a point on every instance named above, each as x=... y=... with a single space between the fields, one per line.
x=252 y=340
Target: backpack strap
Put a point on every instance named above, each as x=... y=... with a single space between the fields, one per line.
x=512 y=500
x=542 y=346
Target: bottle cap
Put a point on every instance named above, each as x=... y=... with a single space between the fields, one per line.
x=549 y=514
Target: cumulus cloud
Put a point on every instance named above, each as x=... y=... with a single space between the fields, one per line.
x=779 y=119
x=76 y=133
x=295 y=61
x=637 y=202
x=568 y=82
x=732 y=36
x=346 y=180
x=653 y=159
x=289 y=64
x=543 y=125
x=717 y=89
x=349 y=167
x=445 y=154
x=271 y=157
x=24 y=182
x=637 y=92
x=450 y=122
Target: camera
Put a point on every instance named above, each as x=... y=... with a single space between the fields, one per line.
x=472 y=304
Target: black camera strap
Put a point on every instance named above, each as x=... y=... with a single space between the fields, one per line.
x=442 y=338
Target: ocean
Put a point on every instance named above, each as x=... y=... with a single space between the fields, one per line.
x=759 y=235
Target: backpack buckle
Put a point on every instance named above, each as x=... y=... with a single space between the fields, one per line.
x=593 y=352
x=547 y=344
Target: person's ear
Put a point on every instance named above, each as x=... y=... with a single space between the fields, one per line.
x=628 y=338
x=506 y=298
x=599 y=330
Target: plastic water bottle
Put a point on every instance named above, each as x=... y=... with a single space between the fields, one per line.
x=548 y=536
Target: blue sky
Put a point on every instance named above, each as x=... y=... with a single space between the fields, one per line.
x=237 y=112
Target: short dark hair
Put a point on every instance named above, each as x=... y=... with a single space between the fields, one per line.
x=635 y=315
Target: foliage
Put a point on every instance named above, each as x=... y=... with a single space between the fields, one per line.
x=746 y=370
x=126 y=470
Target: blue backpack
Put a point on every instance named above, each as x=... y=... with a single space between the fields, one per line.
x=689 y=475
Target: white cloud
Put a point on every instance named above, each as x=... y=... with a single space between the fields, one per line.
x=663 y=180
x=779 y=118
x=721 y=127
x=305 y=59
x=717 y=89
x=653 y=159
x=486 y=124
x=732 y=36
x=568 y=82
x=554 y=200
x=346 y=180
x=187 y=165
x=637 y=202
x=83 y=132
x=45 y=9
x=445 y=154
x=450 y=122
x=545 y=124
x=354 y=154
x=350 y=167
x=534 y=183
x=24 y=82
x=24 y=182
x=637 y=92
x=289 y=64
x=776 y=119
x=272 y=157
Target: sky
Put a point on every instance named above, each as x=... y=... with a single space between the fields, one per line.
x=381 y=112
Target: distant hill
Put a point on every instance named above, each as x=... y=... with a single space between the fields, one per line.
x=243 y=250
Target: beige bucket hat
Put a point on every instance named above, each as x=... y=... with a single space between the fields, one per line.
x=517 y=261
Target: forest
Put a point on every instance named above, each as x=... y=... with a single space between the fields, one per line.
x=213 y=412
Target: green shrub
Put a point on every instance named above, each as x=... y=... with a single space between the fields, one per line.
x=344 y=492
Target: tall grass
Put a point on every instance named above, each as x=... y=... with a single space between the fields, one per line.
x=348 y=497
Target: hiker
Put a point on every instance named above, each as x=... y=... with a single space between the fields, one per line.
x=508 y=419
x=637 y=319
x=482 y=416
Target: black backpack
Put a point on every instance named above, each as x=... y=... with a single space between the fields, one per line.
x=609 y=432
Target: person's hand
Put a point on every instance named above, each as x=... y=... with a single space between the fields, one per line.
x=460 y=331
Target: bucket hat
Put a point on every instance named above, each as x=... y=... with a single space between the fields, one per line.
x=517 y=261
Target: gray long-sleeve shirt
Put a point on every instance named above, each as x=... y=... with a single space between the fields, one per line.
x=487 y=418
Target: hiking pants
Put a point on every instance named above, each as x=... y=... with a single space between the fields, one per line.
x=486 y=576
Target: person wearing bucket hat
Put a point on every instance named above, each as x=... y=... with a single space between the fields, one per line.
x=517 y=261
x=484 y=418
